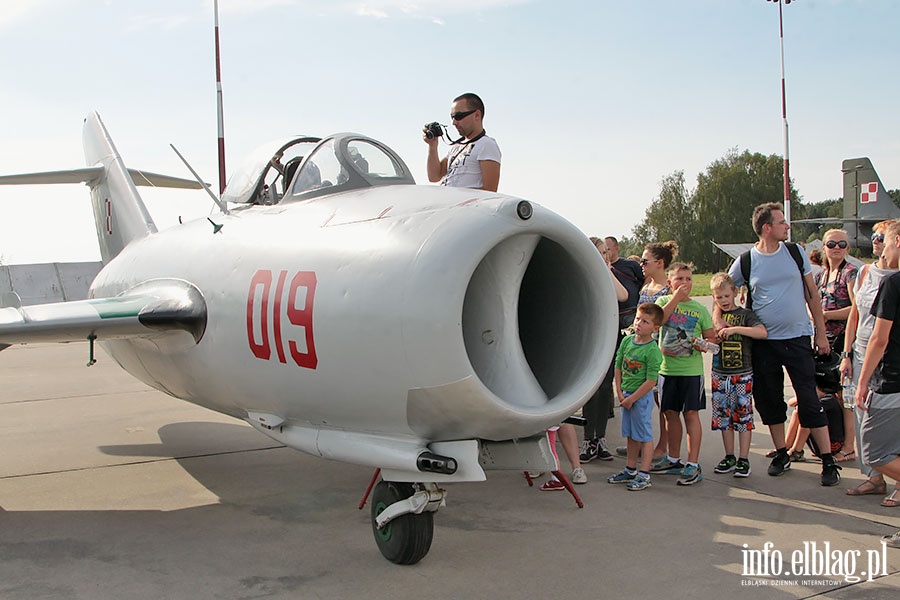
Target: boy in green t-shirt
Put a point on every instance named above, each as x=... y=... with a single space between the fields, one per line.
x=636 y=370
x=681 y=339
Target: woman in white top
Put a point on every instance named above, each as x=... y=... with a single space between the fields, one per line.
x=859 y=328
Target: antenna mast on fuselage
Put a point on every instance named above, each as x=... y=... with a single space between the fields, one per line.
x=219 y=111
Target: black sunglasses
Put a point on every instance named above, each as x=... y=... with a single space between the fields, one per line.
x=841 y=244
x=644 y=261
x=459 y=116
x=878 y=237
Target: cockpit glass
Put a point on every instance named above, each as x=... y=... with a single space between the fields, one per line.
x=320 y=170
x=372 y=161
x=347 y=162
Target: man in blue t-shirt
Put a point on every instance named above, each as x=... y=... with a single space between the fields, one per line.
x=781 y=295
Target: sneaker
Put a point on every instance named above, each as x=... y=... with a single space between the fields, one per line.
x=622 y=450
x=589 y=449
x=535 y=474
x=830 y=475
x=640 y=482
x=667 y=466
x=690 y=475
x=578 y=476
x=780 y=464
x=657 y=460
x=553 y=485
x=742 y=468
x=892 y=540
x=797 y=456
x=623 y=476
x=726 y=465
x=603 y=452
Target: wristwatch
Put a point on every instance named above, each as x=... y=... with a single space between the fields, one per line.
x=846 y=354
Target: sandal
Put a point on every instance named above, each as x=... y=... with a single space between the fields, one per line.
x=892 y=500
x=867 y=488
x=845 y=456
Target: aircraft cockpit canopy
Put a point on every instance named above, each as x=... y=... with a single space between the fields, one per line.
x=306 y=167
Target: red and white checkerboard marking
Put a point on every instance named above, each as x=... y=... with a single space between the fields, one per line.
x=868 y=192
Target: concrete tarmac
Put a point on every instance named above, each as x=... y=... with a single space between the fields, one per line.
x=109 y=489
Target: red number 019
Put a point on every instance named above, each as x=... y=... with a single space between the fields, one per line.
x=298 y=316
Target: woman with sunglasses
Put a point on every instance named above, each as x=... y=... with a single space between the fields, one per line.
x=835 y=283
x=878 y=241
x=654 y=262
x=859 y=329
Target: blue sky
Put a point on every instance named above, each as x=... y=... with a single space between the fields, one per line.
x=593 y=102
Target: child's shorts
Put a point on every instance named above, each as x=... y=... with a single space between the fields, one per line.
x=681 y=393
x=637 y=421
x=732 y=402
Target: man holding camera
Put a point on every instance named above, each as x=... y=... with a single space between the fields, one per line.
x=474 y=159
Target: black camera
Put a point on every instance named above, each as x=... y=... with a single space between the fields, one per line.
x=433 y=130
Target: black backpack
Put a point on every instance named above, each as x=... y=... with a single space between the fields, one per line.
x=796 y=253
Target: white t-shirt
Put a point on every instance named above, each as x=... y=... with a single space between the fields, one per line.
x=463 y=167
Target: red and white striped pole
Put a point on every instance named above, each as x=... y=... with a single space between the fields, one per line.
x=787 y=176
x=219 y=111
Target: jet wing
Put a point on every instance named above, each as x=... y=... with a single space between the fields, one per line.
x=140 y=178
x=147 y=309
x=823 y=220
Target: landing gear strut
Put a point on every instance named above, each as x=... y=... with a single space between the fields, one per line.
x=403 y=519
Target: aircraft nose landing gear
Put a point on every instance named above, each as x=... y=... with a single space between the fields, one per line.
x=403 y=519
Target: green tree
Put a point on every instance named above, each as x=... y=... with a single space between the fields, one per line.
x=719 y=209
x=668 y=217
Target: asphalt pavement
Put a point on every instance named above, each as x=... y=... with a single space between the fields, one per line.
x=109 y=489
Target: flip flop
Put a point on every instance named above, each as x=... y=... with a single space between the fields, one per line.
x=867 y=488
x=892 y=500
x=845 y=456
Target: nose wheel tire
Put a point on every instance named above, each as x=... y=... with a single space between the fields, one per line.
x=406 y=539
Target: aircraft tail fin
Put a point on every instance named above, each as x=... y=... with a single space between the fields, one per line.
x=119 y=213
x=866 y=200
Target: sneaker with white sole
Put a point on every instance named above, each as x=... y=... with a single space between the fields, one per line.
x=669 y=467
x=690 y=475
x=623 y=476
x=640 y=482
x=554 y=485
x=578 y=476
x=589 y=449
x=726 y=465
x=603 y=452
x=742 y=468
